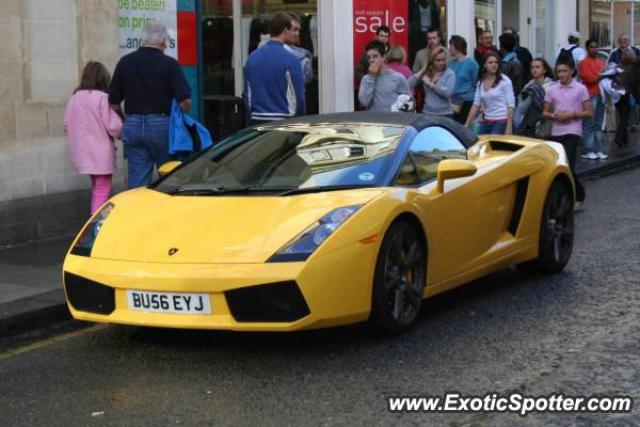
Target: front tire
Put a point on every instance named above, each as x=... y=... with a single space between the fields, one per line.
x=556 y=232
x=399 y=280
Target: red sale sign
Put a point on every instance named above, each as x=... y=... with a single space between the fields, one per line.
x=368 y=15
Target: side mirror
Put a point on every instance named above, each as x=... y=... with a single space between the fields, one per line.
x=166 y=168
x=454 y=168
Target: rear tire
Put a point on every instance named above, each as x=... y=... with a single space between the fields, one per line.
x=399 y=279
x=556 y=232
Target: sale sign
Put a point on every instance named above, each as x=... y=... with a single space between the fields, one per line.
x=368 y=15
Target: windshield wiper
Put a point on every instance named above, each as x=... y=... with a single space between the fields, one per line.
x=197 y=190
x=321 y=189
x=194 y=190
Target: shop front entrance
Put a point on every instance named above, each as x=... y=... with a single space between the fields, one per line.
x=230 y=31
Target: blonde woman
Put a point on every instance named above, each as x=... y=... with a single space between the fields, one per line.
x=438 y=82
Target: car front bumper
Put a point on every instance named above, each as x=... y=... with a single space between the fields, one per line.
x=336 y=288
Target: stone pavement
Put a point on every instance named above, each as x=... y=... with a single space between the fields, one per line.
x=31 y=294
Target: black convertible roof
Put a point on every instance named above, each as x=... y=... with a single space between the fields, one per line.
x=415 y=120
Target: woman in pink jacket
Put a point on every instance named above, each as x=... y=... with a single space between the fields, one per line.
x=91 y=126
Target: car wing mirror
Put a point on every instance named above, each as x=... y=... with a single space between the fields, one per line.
x=454 y=168
x=168 y=167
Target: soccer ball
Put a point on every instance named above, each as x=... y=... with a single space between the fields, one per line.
x=404 y=103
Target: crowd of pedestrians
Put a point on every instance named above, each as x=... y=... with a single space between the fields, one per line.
x=496 y=90
x=504 y=90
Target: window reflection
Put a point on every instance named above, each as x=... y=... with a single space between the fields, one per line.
x=601 y=22
x=486 y=16
x=431 y=146
x=545 y=30
x=293 y=156
x=424 y=15
x=217 y=47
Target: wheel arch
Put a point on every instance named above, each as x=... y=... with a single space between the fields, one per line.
x=413 y=220
x=564 y=179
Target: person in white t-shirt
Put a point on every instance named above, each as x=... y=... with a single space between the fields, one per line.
x=578 y=53
x=494 y=98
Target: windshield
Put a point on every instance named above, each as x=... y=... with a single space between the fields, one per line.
x=290 y=158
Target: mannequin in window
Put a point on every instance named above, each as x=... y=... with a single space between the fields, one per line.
x=423 y=15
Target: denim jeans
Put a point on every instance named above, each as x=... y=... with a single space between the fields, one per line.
x=146 y=144
x=592 y=127
x=492 y=128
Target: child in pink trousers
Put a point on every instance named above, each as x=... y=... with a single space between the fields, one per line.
x=91 y=126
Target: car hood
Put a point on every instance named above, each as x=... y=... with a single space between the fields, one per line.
x=147 y=225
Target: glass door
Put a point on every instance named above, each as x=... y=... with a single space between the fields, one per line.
x=601 y=23
x=230 y=31
x=545 y=33
x=223 y=110
x=486 y=18
x=217 y=47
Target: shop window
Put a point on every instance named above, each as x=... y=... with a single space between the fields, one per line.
x=545 y=47
x=425 y=15
x=217 y=47
x=601 y=22
x=486 y=17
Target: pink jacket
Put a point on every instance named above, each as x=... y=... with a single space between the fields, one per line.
x=91 y=126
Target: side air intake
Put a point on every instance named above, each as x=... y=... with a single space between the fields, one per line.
x=504 y=146
x=518 y=205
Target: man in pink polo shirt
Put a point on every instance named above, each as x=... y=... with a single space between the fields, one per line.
x=566 y=104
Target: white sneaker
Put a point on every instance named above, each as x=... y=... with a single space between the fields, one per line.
x=601 y=156
x=590 y=156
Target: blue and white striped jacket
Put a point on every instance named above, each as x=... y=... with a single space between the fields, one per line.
x=273 y=84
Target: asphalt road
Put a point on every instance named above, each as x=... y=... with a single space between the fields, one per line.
x=575 y=333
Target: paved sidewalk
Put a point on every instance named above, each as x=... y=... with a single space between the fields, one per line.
x=31 y=294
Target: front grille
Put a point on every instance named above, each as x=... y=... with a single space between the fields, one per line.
x=275 y=302
x=87 y=295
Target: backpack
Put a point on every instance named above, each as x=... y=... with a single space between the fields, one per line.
x=567 y=54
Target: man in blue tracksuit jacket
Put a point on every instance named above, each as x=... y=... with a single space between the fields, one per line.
x=273 y=79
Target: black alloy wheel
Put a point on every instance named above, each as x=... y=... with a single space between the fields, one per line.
x=556 y=231
x=399 y=279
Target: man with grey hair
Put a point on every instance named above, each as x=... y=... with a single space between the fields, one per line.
x=624 y=45
x=148 y=81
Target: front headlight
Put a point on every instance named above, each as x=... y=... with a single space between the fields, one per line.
x=308 y=241
x=88 y=236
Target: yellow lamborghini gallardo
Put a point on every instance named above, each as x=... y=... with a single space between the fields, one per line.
x=322 y=221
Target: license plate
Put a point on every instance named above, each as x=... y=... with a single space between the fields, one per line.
x=168 y=302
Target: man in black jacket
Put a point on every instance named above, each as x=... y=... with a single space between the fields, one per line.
x=510 y=65
x=148 y=81
x=523 y=54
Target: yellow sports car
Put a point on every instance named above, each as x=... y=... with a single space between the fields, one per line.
x=322 y=221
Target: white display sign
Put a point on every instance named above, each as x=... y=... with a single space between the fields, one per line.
x=134 y=14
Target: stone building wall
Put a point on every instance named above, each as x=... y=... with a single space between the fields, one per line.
x=45 y=46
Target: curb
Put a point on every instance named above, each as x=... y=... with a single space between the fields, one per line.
x=606 y=168
x=31 y=313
